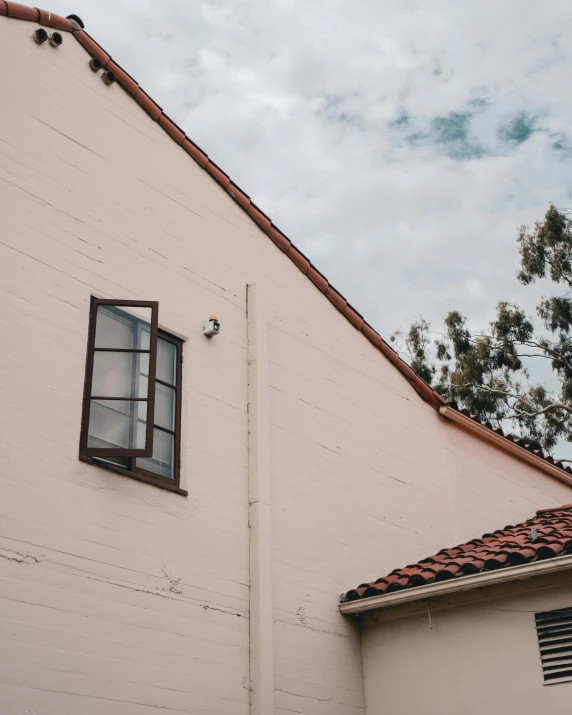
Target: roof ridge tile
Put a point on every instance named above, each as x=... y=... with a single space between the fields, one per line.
x=551 y=510
x=56 y=21
x=22 y=12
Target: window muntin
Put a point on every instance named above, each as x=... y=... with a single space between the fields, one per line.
x=120 y=389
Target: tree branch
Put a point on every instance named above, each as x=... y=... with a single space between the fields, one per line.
x=523 y=400
x=558 y=269
x=550 y=351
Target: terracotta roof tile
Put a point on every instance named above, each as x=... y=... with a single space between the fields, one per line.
x=354 y=317
x=318 y=280
x=336 y=298
x=261 y=219
x=23 y=12
x=546 y=536
x=299 y=259
x=92 y=47
x=126 y=81
x=56 y=21
x=239 y=196
x=279 y=239
x=557 y=509
x=152 y=109
x=192 y=150
x=169 y=126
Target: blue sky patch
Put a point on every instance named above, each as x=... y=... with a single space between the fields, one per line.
x=336 y=114
x=451 y=133
x=518 y=129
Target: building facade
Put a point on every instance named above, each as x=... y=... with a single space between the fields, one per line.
x=306 y=458
x=485 y=626
x=466 y=658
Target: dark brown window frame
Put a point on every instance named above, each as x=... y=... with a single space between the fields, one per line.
x=88 y=396
x=131 y=470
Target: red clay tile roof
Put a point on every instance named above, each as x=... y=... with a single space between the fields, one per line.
x=545 y=536
x=70 y=24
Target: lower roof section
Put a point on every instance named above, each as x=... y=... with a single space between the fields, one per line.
x=491 y=558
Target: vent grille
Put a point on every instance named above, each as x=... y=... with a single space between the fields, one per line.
x=554 y=630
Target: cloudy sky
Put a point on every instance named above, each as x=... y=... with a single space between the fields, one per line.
x=398 y=144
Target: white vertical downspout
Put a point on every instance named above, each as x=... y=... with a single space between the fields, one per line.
x=260 y=522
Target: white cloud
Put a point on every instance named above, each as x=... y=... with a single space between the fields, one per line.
x=399 y=145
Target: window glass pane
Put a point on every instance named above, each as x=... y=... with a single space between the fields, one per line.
x=142 y=411
x=112 y=423
x=113 y=375
x=143 y=385
x=164 y=406
x=161 y=462
x=145 y=338
x=142 y=429
x=144 y=364
x=122 y=328
x=166 y=357
x=143 y=382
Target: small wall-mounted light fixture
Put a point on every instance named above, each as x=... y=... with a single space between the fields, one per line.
x=40 y=35
x=109 y=77
x=56 y=39
x=95 y=64
x=212 y=327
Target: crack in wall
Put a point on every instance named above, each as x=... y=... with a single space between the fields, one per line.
x=308 y=697
x=20 y=557
x=174 y=584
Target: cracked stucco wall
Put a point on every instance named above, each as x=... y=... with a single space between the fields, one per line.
x=115 y=596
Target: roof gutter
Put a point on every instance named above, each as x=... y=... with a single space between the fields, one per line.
x=503 y=443
x=464 y=583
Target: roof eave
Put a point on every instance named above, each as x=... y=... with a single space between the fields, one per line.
x=463 y=583
x=504 y=444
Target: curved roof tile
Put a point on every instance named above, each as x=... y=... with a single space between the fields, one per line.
x=546 y=536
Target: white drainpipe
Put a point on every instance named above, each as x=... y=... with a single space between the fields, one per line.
x=260 y=520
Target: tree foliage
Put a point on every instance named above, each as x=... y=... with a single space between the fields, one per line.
x=489 y=371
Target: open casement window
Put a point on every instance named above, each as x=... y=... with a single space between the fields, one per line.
x=120 y=381
x=132 y=399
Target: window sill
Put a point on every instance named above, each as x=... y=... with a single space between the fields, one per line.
x=158 y=482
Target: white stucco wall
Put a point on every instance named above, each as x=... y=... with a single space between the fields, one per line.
x=115 y=595
x=467 y=659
